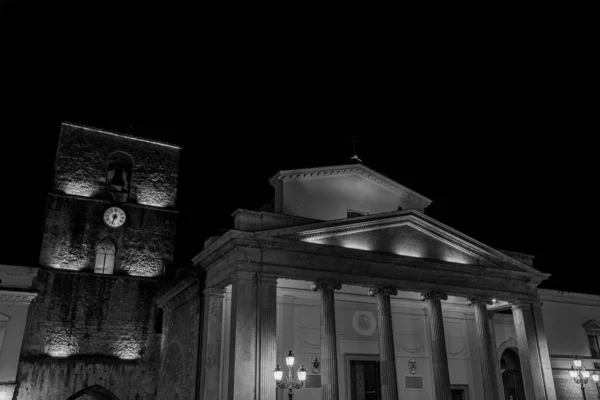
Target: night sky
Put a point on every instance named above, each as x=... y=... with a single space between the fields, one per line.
x=497 y=133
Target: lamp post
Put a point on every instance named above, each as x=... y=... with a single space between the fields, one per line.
x=289 y=381
x=580 y=374
x=596 y=378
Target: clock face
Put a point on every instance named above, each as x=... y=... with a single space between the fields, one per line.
x=114 y=217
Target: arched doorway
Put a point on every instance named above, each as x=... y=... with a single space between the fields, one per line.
x=94 y=393
x=511 y=375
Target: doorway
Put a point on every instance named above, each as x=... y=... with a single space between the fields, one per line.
x=93 y=393
x=510 y=365
x=364 y=380
x=460 y=392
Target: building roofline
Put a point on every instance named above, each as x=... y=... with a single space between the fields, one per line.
x=349 y=169
x=560 y=296
x=122 y=135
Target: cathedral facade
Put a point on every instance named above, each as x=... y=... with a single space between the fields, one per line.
x=343 y=288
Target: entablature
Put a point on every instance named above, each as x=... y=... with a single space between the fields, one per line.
x=241 y=251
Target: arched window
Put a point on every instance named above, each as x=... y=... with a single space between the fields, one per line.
x=105 y=257
x=118 y=176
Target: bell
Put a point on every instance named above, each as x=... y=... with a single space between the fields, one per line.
x=117 y=179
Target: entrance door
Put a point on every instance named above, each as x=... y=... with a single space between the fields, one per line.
x=511 y=375
x=460 y=392
x=364 y=380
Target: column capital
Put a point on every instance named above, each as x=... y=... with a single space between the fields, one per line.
x=321 y=285
x=471 y=301
x=390 y=291
x=434 y=295
x=520 y=304
x=214 y=291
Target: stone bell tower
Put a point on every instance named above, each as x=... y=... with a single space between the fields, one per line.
x=108 y=238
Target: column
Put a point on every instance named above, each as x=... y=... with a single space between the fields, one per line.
x=329 y=372
x=210 y=373
x=387 y=353
x=439 y=358
x=543 y=351
x=533 y=352
x=484 y=348
x=242 y=353
x=495 y=360
x=267 y=323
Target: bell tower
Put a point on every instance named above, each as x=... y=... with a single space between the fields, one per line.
x=108 y=238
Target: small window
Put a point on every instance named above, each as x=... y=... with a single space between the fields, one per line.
x=105 y=257
x=592 y=330
x=594 y=346
x=355 y=214
x=158 y=322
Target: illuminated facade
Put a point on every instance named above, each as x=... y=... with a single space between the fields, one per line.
x=15 y=297
x=347 y=270
x=94 y=330
x=376 y=299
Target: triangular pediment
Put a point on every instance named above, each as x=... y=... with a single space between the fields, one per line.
x=361 y=171
x=592 y=327
x=405 y=233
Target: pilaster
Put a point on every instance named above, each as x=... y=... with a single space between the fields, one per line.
x=439 y=357
x=329 y=372
x=387 y=354
x=242 y=354
x=211 y=343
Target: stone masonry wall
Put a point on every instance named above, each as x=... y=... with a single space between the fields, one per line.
x=179 y=347
x=81 y=162
x=567 y=389
x=83 y=328
x=73 y=227
x=60 y=379
x=86 y=313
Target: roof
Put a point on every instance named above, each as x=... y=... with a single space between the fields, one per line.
x=123 y=135
x=352 y=169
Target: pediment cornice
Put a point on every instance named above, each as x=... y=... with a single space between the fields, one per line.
x=417 y=221
x=14 y=296
x=310 y=261
x=358 y=170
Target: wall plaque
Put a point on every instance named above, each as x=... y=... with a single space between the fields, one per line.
x=312 y=382
x=364 y=322
x=315 y=364
x=412 y=366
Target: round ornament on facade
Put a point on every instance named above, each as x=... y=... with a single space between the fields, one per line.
x=364 y=322
x=114 y=217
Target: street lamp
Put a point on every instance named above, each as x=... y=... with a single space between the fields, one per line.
x=289 y=381
x=580 y=375
x=596 y=378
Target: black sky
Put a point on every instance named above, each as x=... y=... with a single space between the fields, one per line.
x=498 y=130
